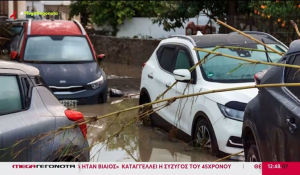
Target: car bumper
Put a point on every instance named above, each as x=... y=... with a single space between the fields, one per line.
x=228 y=133
x=89 y=96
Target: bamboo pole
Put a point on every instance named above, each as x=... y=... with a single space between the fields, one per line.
x=172 y=99
x=245 y=48
x=248 y=36
x=296 y=27
x=229 y=156
x=248 y=60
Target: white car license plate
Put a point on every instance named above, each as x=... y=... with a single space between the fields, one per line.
x=69 y=103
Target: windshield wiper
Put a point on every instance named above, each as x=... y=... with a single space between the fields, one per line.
x=267 y=54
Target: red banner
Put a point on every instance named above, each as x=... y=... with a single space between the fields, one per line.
x=280 y=168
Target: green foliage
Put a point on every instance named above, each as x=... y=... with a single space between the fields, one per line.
x=170 y=14
x=176 y=13
x=114 y=13
x=80 y=8
x=276 y=9
x=274 y=17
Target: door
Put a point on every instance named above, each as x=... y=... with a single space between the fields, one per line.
x=10 y=102
x=291 y=111
x=181 y=109
x=22 y=116
x=163 y=78
x=280 y=111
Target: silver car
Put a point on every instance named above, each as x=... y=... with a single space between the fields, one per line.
x=30 y=116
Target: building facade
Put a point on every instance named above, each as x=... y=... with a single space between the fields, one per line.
x=7 y=8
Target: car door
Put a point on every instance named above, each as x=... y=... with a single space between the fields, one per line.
x=22 y=116
x=291 y=111
x=280 y=111
x=163 y=78
x=181 y=109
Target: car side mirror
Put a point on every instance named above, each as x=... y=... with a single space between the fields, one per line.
x=182 y=75
x=13 y=55
x=101 y=57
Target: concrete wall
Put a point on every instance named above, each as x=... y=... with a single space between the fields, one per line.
x=144 y=26
x=124 y=50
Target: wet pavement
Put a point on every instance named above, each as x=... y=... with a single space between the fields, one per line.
x=135 y=143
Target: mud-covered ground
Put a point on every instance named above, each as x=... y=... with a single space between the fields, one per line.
x=135 y=143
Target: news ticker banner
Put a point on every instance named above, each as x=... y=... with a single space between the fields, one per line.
x=207 y=168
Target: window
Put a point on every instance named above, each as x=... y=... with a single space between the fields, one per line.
x=224 y=69
x=10 y=97
x=293 y=76
x=167 y=58
x=182 y=61
x=58 y=49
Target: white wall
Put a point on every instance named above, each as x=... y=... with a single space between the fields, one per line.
x=21 y=9
x=10 y=8
x=144 y=26
x=67 y=3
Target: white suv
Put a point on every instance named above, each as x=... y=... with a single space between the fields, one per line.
x=214 y=120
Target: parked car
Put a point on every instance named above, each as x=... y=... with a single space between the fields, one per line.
x=270 y=130
x=28 y=110
x=16 y=30
x=215 y=118
x=65 y=56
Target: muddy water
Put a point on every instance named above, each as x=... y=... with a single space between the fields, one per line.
x=123 y=77
x=135 y=143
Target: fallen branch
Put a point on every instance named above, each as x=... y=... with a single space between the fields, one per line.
x=172 y=99
x=245 y=48
x=248 y=36
x=248 y=60
x=296 y=27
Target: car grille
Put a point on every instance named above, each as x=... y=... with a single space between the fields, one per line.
x=67 y=90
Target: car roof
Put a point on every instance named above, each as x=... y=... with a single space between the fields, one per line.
x=54 y=27
x=294 y=47
x=212 y=40
x=30 y=70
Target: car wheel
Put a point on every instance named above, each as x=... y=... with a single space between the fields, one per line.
x=252 y=155
x=204 y=137
x=103 y=97
x=146 y=119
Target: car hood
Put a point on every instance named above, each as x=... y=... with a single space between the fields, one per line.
x=243 y=96
x=72 y=74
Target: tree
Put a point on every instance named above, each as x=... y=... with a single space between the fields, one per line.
x=176 y=13
x=283 y=11
x=114 y=13
x=274 y=17
x=80 y=8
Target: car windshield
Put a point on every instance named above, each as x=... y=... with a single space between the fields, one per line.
x=223 y=69
x=57 y=49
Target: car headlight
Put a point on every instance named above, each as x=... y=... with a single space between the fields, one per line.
x=97 y=83
x=231 y=113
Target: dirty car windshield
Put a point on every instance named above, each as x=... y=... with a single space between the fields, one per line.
x=57 y=49
x=224 y=69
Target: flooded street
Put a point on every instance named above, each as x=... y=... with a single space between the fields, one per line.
x=135 y=143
